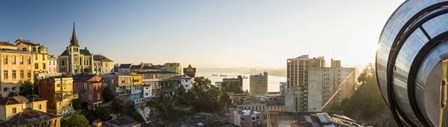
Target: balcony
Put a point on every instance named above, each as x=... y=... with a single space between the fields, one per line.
x=67 y=97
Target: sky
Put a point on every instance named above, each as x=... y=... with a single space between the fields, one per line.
x=204 y=33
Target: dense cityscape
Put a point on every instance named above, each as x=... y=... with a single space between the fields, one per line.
x=223 y=63
x=85 y=89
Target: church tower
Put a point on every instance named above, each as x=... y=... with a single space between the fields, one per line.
x=74 y=54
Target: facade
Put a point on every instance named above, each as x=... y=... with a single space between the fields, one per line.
x=53 y=66
x=297 y=75
x=16 y=67
x=259 y=84
x=39 y=52
x=26 y=112
x=254 y=106
x=147 y=91
x=317 y=84
x=234 y=85
x=190 y=71
x=325 y=82
x=247 y=118
x=283 y=87
x=292 y=100
x=90 y=89
x=162 y=82
x=173 y=67
x=75 y=60
x=58 y=91
x=239 y=98
x=187 y=82
x=119 y=83
x=102 y=64
x=136 y=90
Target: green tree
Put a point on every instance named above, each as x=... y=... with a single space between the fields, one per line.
x=366 y=103
x=103 y=113
x=27 y=89
x=108 y=95
x=75 y=121
x=117 y=106
x=77 y=104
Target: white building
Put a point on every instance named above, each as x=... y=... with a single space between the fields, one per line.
x=292 y=100
x=325 y=82
x=147 y=91
x=297 y=75
x=283 y=87
x=53 y=65
x=246 y=118
x=314 y=84
x=187 y=82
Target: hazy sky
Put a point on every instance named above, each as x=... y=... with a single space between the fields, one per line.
x=206 y=33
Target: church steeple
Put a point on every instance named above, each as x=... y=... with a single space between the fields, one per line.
x=74 y=40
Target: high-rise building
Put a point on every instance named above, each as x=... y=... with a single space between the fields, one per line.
x=310 y=85
x=324 y=82
x=297 y=75
x=259 y=84
x=234 y=85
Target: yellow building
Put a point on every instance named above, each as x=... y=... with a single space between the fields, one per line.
x=39 y=52
x=16 y=66
x=58 y=91
x=18 y=111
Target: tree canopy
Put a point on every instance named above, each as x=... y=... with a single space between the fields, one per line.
x=75 y=121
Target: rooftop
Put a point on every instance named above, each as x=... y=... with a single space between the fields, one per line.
x=121 y=122
x=102 y=58
x=31 y=116
x=18 y=100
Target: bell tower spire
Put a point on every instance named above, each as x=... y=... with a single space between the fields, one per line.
x=74 y=40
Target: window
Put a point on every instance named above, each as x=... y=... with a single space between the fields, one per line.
x=21 y=59
x=29 y=74
x=5 y=74
x=36 y=65
x=14 y=76
x=36 y=57
x=22 y=74
x=43 y=57
x=29 y=60
x=5 y=89
x=85 y=85
x=13 y=60
x=14 y=110
x=40 y=106
x=62 y=63
x=44 y=66
x=5 y=59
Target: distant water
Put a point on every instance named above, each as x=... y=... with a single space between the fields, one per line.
x=273 y=81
